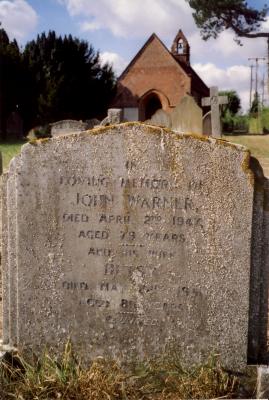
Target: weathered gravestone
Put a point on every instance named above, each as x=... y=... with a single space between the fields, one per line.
x=15 y=125
x=187 y=117
x=160 y=118
x=129 y=240
x=207 y=126
x=67 y=126
x=114 y=116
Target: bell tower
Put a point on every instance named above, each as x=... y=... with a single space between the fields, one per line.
x=181 y=48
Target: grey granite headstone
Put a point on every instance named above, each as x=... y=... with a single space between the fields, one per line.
x=130 y=240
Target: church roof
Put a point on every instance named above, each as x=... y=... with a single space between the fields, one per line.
x=196 y=80
x=190 y=71
x=150 y=39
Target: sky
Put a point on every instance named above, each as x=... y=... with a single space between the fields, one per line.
x=119 y=28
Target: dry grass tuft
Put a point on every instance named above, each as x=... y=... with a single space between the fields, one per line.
x=162 y=379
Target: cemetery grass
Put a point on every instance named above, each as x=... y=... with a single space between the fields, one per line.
x=162 y=379
x=10 y=149
x=257 y=144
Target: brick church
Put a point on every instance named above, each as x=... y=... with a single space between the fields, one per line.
x=158 y=78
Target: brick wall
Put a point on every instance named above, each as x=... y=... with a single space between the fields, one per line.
x=154 y=68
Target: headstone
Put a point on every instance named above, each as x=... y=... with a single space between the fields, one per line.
x=160 y=118
x=214 y=101
x=129 y=240
x=187 y=117
x=114 y=116
x=91 y=123
x=15 y=125
x=207 y=126
x=67 y=126
x=259 y=278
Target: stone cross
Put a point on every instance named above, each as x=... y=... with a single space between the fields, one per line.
x=214 y=101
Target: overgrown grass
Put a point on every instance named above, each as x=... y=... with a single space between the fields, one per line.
x=160 y=379
x=10 y=149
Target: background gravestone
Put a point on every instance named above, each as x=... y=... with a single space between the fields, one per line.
x=67 y=126
x=187 y=117
x=129 y=240
x=207 y=126
x=114 y=116
x=15 y=125
x=160 y=118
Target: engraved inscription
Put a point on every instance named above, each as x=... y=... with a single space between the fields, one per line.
x=138 y=227
x=117 y=219
x=103 y=235
x=94 y=200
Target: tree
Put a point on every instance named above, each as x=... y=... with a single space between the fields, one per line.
x=234 y=103
x=68 y=79
x=229 y=110
x=11 y=82
x=254 y=109
x=213 y=16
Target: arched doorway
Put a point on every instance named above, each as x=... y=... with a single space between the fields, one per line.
x=153 y=104
x=149 y=105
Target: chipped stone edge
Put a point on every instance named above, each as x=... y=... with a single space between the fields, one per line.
x=152 y=129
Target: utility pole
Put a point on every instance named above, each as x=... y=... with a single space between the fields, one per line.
x=251 y=85
x=268 y=66
x=256 y=59
x=263 y=83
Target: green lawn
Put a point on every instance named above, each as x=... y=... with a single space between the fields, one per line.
x=9 y=149
x=258 y=145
